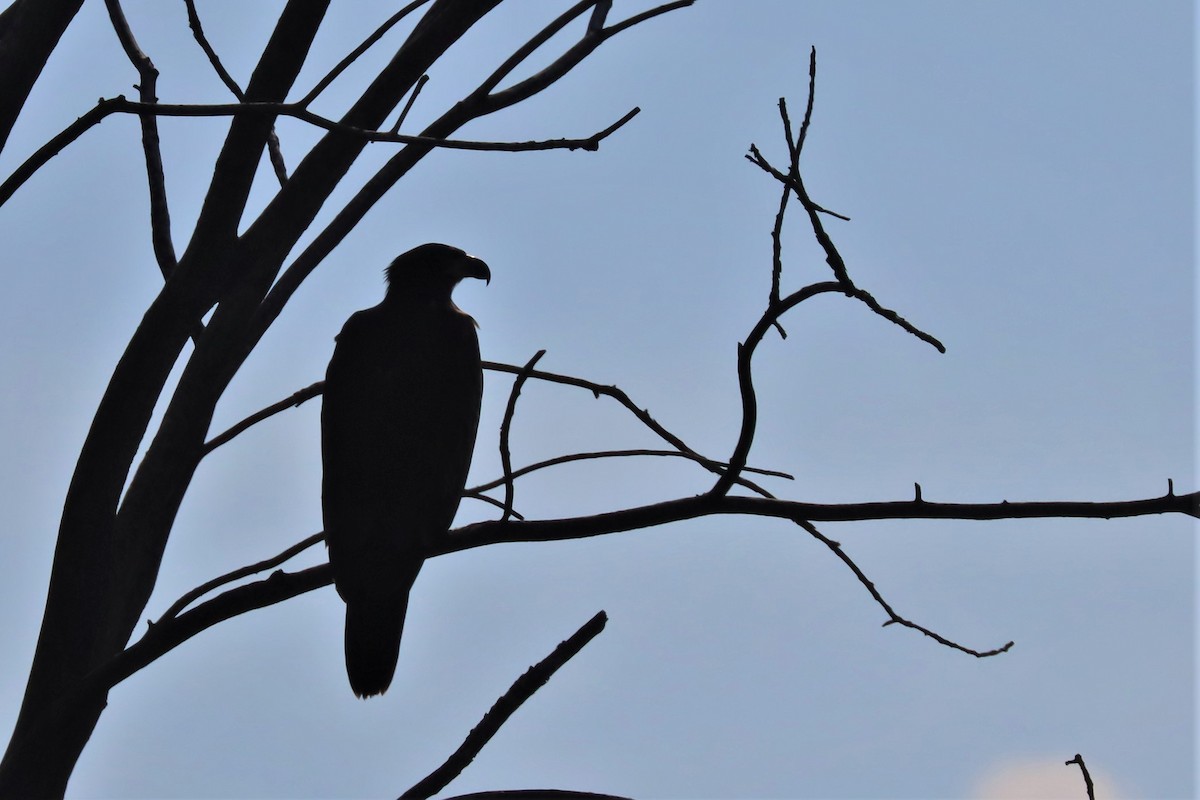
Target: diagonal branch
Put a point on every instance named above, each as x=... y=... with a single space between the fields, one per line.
x=242 y=572
x=594 y=36
x=273 y=147
x=408 y=104
x=524 y=687
x=893 y=617
x=357 y=52
x=294 y=401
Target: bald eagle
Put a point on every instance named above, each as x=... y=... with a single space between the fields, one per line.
x=398 y=423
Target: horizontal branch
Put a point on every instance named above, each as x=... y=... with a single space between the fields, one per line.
x=280 y=586
x=495 y=532
x=120 y=105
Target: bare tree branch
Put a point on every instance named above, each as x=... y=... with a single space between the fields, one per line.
x=1087 y=776
x=357 y=52
x=120 y=105
x=587 y=44
x=524 y=687
x=294 y=401
x=172 y=630
x=745 y=352
x=160 y=214
x=491 y=501
x=598 y=454
x=506 y=426
x=776 y=307
x=274 y=149
x=408 y=104
x=242 y=572
x=642 y=415
x=493 y=532
x=893 y=617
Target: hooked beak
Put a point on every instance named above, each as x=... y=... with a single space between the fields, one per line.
x=473 y=267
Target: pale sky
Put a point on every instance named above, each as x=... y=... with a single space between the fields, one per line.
x=1020 y=181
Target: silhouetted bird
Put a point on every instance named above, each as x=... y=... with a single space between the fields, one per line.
x=398 y=425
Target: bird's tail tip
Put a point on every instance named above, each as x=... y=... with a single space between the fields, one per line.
x=372 y=645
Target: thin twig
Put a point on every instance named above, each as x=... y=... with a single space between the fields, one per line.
x=237 y=574
x=587 y=44
x=294 y=401
x=532 y=45
x=893 y=617
x=505 y=427
x=209 y=52
x=566 y=459
x=892 y=316
x=524 y=687
x=777 y=255
x=808 y=108
x=274 y=149
x=474 y=495
x=756 y=158
x=642 y=415
x=354 y=54
x=160 y=214
x=1087 y=776
x=408 y=104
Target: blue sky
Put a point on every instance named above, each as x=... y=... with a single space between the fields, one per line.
x=1020 y=181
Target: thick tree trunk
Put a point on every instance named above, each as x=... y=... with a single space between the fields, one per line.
x=109 y=549
x=29 y=32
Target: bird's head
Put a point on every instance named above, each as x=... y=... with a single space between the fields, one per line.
x=433 y=270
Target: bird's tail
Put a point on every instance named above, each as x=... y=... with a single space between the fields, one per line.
x=373 y=643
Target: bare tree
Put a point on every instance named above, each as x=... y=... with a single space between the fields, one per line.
x=225 y=288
